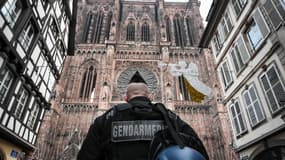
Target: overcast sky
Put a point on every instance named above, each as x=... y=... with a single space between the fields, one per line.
x=204 y=8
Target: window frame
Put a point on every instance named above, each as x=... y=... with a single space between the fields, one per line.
x=262 y=27
x=251 y=105
x=217 y=42
x=2 y=83
x=33 y=116
x=131 y=31
x=10 y=11
x=239 y=120
x=168 y=29
x=239 y=56
x=145 y=32
x=226 y=24
x=226 y=83
x=280 y=81
x=24 y=39
x=274 y=8
x=249 y=29
x=54 y=28
x=240 y=6
x=19 y=106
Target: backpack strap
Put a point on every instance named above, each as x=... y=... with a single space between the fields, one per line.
x=172 y=131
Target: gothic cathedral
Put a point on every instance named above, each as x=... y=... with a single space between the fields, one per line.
x=116 y=39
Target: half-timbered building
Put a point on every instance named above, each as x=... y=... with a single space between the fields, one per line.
x=34 y=42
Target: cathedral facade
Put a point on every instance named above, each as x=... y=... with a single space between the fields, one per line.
x=116 y=39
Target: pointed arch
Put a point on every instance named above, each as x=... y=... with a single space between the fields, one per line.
x=190 y=30
x=93 y=27
x=88 y=82
x=145 y=35
x=179 y=30
x=131 y=31
x=168 y=28
x=108 y=25
x=98 y=23
x=87 y=27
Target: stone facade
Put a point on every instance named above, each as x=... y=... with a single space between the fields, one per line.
x=116 y=39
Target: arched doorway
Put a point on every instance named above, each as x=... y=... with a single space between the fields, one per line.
x=275 y=153
x=2 y=155
x=148 y=77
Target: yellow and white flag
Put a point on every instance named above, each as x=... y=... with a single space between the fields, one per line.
x=196 y=88
x=196 y=96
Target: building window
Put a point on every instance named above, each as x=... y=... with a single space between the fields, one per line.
x=253 y=106
x=226 y=24
x=86 y=27
x=98 y=19
x=88 y=82
x=54 y=29
x=179 y=31
x=237 y=118
x=145 y=32
x=93 y=27
x=21 y=100
x=6 y=79
x=184 y=94
x=168 y=29
x=131 y=32
x=275 y=12
x=282 y=2
x=238 y=6
x=11 y=11
x=257 y=30
x=239 y=55
x=226 y=74
x=33 y=116
x=26 y=36
x=191 y=31
x=217 y=42
x=254 y=35
x=274 y=88
x=108 y=26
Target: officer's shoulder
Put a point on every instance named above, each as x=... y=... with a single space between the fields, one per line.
x=117 y=108
x=169 y=112
x=172 y=115
x=122 y=106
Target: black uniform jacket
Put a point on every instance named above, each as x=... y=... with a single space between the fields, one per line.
x=125 y=132
x=99 y=145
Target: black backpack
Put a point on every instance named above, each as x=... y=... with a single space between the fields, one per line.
x=177 y=133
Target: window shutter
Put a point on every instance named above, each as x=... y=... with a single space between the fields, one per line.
x=235 y=120
x=235 y=60
x=221 y=33
x=236 y=7
x=243 y=50
x=223 y=76
x=272 y=13
x=280 y=7
x=260 y=22
x=227 y=74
